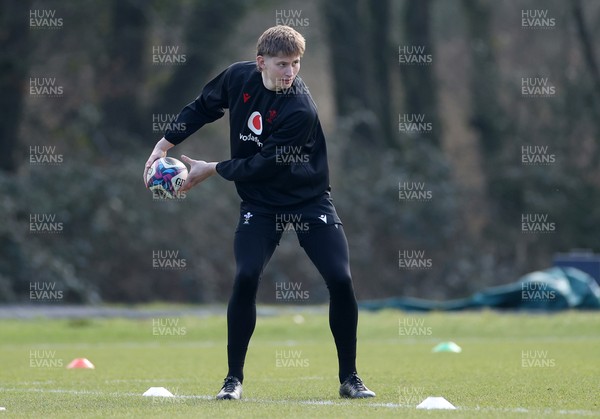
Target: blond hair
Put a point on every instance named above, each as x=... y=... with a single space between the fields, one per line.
x=280 y=40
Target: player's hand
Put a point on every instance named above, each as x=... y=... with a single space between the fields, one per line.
x=156 y=154
x=199 y=172
x=160 y=150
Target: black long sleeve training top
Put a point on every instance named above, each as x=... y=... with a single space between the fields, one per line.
x=278 y=151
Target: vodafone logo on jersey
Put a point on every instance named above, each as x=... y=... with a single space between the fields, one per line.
x=255 y=123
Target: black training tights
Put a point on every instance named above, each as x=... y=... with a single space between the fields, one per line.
x=327 y=248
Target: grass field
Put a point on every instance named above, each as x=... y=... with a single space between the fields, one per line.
x=512 y=365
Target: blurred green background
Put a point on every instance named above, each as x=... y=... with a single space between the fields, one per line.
x=507 y=95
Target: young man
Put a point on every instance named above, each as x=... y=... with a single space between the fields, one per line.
x=279 y=166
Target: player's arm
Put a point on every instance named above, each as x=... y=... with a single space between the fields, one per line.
x=296 y=130
x=209 y=106
x=206 y=108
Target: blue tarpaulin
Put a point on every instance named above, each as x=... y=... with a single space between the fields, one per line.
x=552 y=289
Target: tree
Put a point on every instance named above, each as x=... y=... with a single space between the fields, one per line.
x=488 y=119
x=418 y=81
x=14 y=62
x=120 y=76
x=360 y=71
x=584 y=37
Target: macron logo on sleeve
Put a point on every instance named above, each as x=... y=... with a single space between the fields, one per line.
x=255 y=123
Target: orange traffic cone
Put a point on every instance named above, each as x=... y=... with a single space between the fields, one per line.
x=81 y=363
